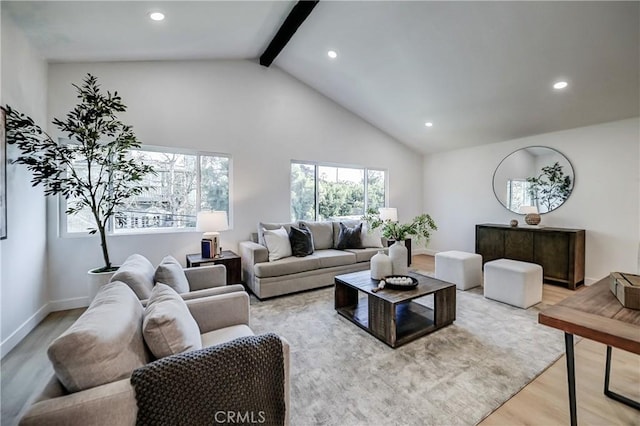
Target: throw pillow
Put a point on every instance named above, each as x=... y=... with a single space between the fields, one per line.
x=301 y=241
x=371 y=237
x=322 y=233
x=350 y=238
x=278 y=245
x=105 y=344
x=136 y=272
x=170 y=272
x=168 y=326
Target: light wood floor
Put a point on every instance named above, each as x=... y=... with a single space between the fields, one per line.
x=543 y=402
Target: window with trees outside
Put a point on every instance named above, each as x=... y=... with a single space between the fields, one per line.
x=184 y=183
x=322 y=192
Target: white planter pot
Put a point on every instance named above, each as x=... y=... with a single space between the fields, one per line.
x=381 y=266
x=95 y=280
x=399 y=254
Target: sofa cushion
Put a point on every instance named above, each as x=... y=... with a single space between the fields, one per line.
x=330 y=258
x=105 y=344
x=278 y=244
x=271 y=226
x=336 y=229
x=301 y=241
x=371 y=237
x=168 y=326
x=136 y=272
x=365 y=254
x=286 y=266
x=171 y=273
x=322 y=233
x=225 y=335
x=349 y=237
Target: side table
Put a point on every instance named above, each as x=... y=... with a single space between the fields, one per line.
x=228 y=258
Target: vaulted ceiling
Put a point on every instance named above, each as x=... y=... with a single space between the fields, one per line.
x=481 y=72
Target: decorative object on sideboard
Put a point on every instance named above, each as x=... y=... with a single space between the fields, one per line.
x=398 y=254
x=211 y=223
x=533 y=176
x=513 y=223
x=532 y=217
x=98 y=141
x=381 y=265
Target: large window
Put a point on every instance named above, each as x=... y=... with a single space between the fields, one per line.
x=322 y=192
x=184 y=183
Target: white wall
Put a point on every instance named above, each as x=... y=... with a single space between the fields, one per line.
x=23 y=258
x=605 y=200
x=263 y=117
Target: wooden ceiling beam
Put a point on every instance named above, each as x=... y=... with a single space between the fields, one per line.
x=296 y=17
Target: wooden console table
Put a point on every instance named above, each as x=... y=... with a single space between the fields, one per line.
x=559 y=251
x=594 y=313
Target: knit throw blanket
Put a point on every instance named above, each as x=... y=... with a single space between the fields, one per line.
x=240 y=382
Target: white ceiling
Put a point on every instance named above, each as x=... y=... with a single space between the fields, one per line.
x=480 y=71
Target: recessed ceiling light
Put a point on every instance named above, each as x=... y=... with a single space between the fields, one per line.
x=560 y=85
x=428 y=124
x=332 y=54
x=156 y=16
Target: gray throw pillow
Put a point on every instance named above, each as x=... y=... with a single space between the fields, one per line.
x=350 y=238
x=136 y=272
x=170 y=272
x=168 y=326
x=105 y=344
x=301 y=241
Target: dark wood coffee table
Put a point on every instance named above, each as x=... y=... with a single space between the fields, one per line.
x=391 y=315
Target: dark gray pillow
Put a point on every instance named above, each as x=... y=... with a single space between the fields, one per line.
x=350 y=238
x=301 y=241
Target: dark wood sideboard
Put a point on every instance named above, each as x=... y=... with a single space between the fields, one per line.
x=559 y=251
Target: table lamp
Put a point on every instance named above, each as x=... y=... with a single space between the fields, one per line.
x=388 y=213
x=211 y=223
x=531 y=214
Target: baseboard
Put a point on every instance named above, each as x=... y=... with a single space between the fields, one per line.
x=423 y=251
x=64 y=304
x=590 y=281
x=22 y=331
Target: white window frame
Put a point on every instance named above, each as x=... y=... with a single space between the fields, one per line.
x=62 y=202
x=318 y=164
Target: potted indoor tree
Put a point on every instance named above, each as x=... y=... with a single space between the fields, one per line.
x=92 y=171
x=420 y=228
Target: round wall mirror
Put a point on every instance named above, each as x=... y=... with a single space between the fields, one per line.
x=534 y=176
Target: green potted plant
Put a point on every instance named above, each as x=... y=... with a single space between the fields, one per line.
x=92 y=171
x=419 y=228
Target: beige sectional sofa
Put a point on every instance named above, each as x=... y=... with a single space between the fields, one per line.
x=292 y=274
x=93 y=360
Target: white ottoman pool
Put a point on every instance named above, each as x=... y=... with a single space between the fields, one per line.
x=460 y=268
x=513 y=282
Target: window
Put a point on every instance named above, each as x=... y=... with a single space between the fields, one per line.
x=184 y=183
x=321 y=192
x=518 y=194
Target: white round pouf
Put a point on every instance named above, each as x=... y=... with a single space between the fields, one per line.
x=460 y=268
x=513 y=282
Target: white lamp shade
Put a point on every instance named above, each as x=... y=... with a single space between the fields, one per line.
x=528 y=209
x=389 y=213
x=212 y=221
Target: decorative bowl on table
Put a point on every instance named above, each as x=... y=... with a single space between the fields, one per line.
x=400 y=282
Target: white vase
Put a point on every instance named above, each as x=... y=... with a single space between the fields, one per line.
x=381 y=266
x=398 y=254
x=95 y=280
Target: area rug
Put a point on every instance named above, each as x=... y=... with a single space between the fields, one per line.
x=341 y=375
